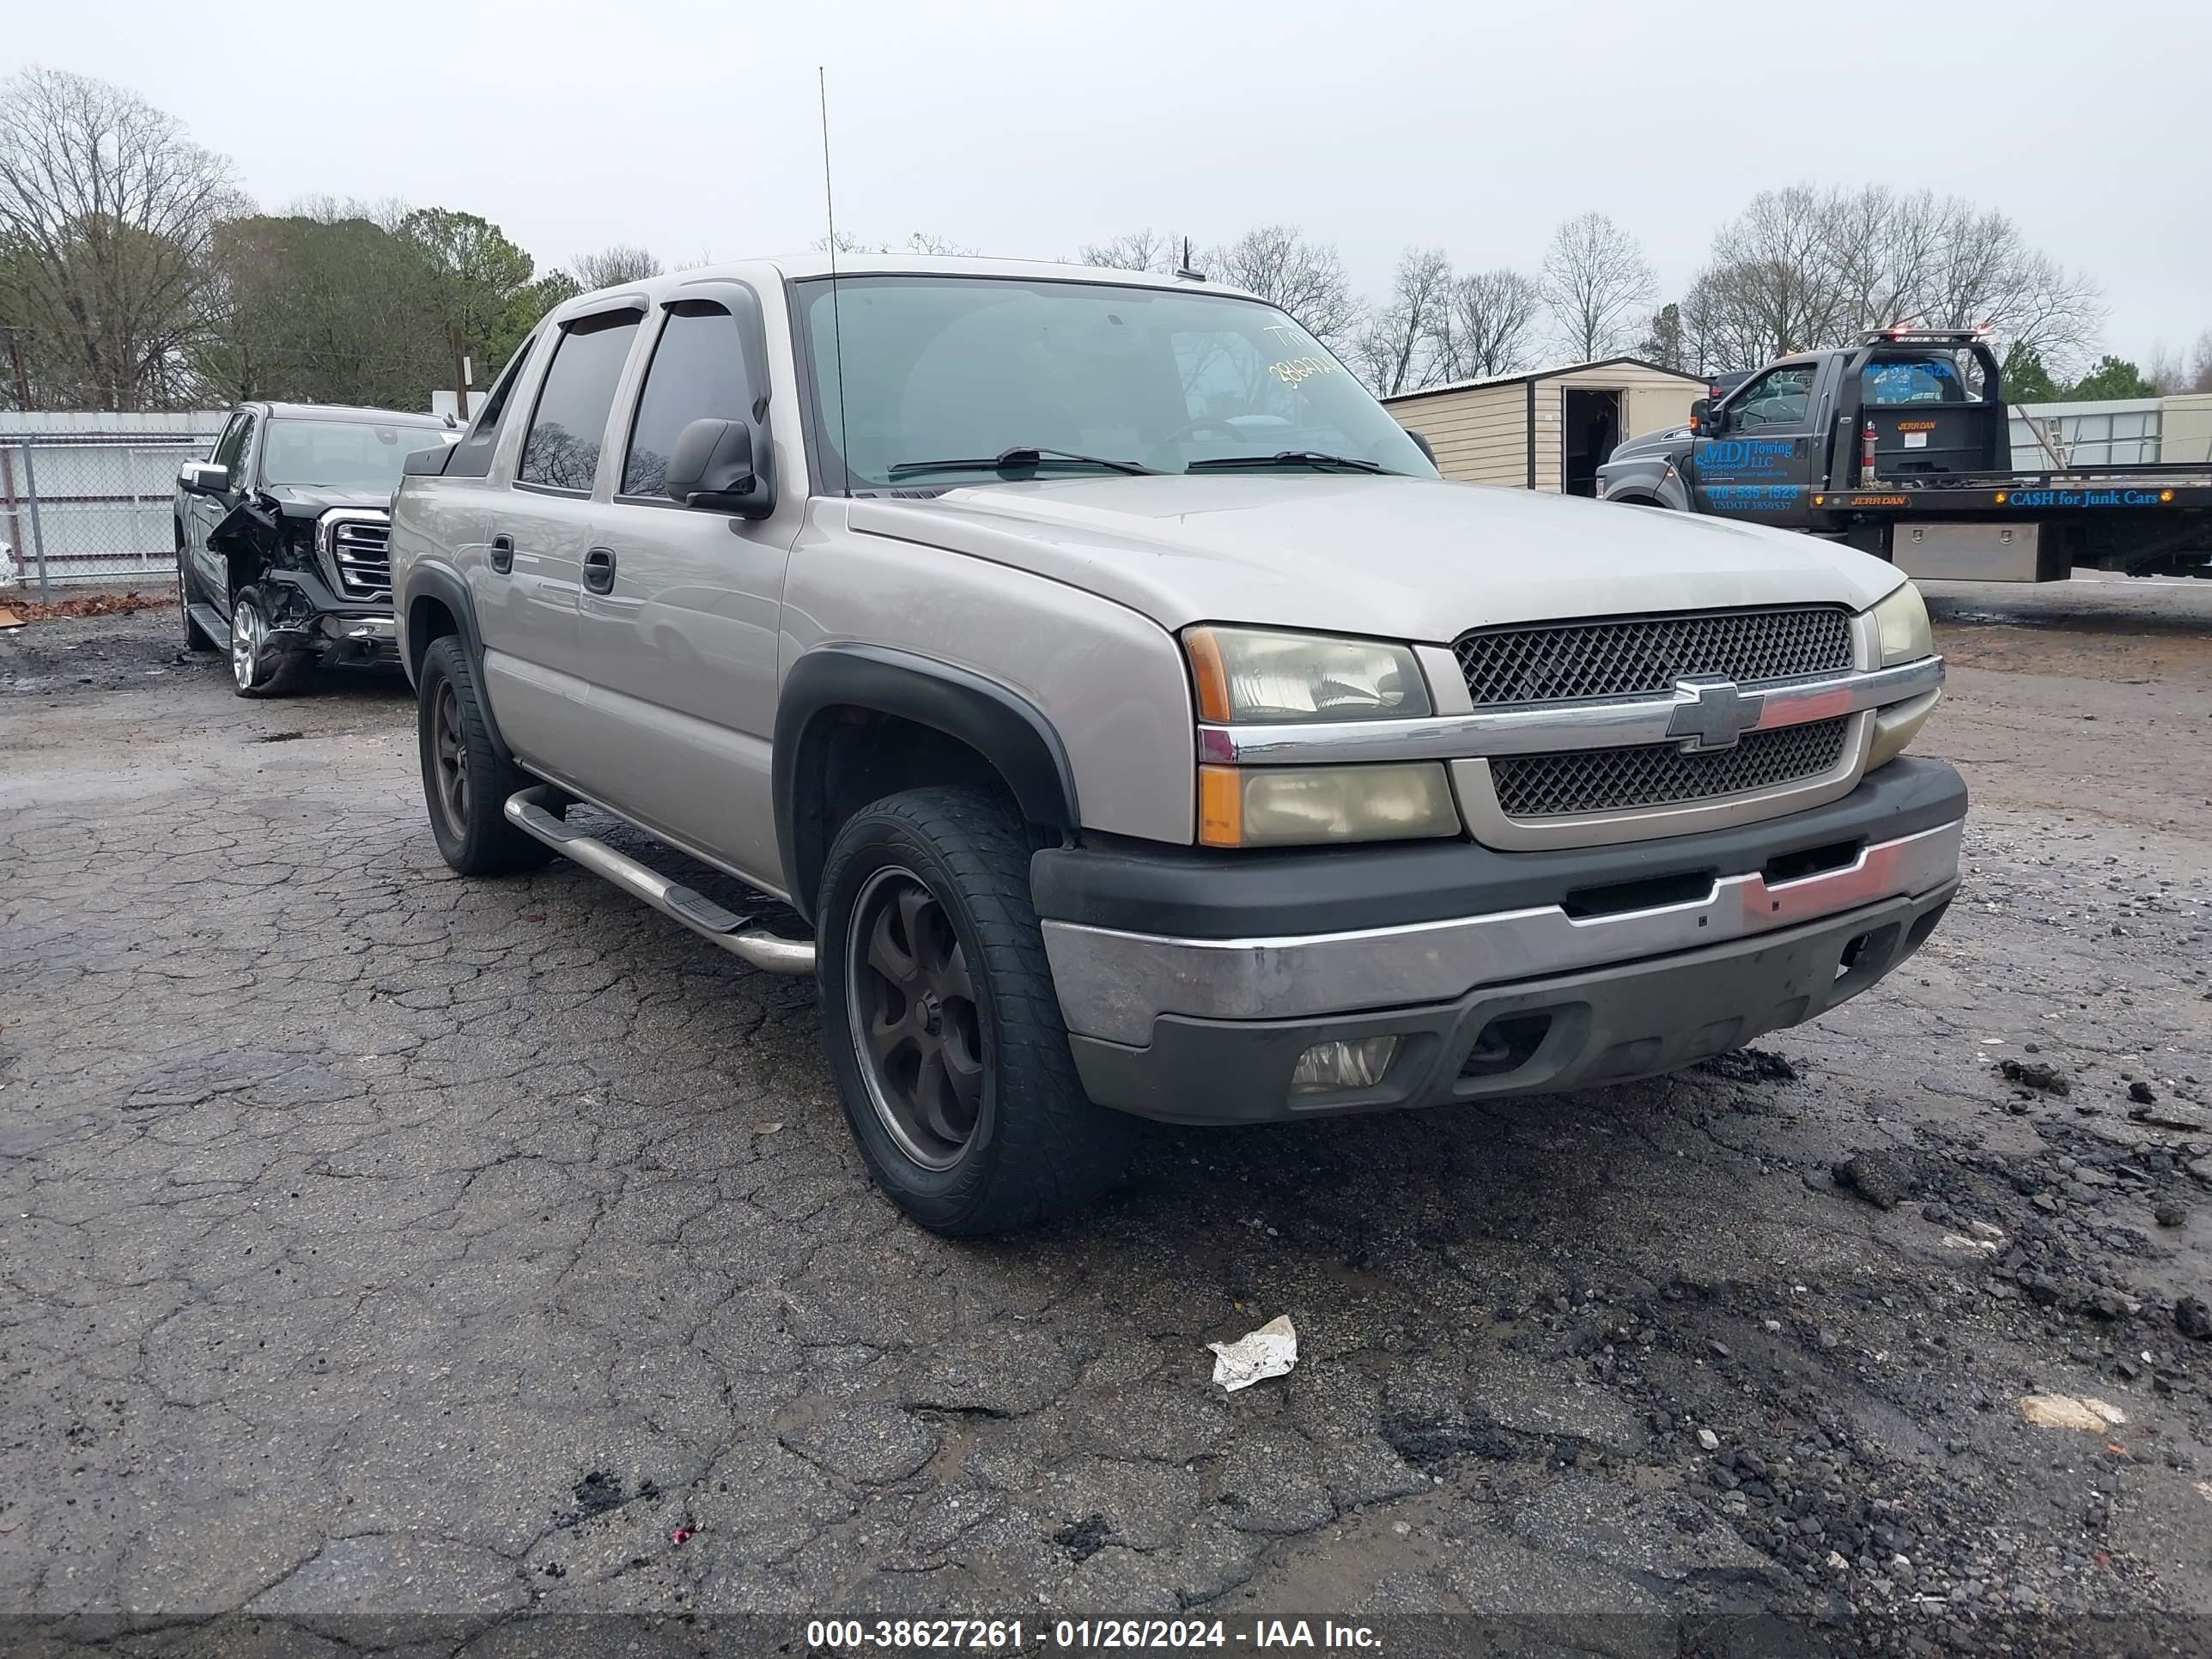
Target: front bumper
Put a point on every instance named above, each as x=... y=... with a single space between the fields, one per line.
x=359 y=639
x=310 y=616
x=1622 y=962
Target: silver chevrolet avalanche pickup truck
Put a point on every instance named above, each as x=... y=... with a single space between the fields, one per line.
x=1138 y=723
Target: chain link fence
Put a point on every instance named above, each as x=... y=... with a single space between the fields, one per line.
x=92 y=507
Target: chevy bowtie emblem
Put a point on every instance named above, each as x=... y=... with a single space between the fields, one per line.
x=1711 y=713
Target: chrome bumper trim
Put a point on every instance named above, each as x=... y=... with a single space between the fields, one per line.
x=1545 y=728
x=1115 y=985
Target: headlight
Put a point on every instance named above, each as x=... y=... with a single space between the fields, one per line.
x=1903 y=619
x=1897 y=725
x=1308 y=806
x=1244 y=674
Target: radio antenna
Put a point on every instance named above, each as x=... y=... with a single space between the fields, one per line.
x=836 y=317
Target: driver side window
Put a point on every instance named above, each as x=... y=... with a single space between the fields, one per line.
x=1781 y=396
x=232 y=452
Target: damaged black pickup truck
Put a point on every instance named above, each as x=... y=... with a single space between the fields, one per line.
x=280 y=537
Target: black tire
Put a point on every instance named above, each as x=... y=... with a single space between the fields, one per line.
x=1036 y=1146
x=469 y=822
x=257 y=668
x=196 y=637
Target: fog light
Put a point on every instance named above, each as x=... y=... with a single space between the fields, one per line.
x=1328 y=1067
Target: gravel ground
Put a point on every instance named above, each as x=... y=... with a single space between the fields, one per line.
x=388 y=1256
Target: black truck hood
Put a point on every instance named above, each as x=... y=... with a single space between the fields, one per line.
x=311 y=501
x=1673 y=440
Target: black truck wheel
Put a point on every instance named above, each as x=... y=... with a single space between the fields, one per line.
x=466 y=782
x=943 y=1029
x=257 y=667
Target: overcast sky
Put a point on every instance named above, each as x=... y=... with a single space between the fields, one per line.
x=1027 y=129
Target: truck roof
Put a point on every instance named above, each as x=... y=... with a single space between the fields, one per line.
x=352 y=412
x=815 y=263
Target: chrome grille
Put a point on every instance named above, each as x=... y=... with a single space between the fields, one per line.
x=1582 y=781
x=361 y=549
x=1637 y=656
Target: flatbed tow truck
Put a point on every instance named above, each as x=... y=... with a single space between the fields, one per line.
x=1902 y=446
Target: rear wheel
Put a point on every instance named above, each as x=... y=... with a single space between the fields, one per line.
x=259 y=668
x=943 y=1028
x=465 y=781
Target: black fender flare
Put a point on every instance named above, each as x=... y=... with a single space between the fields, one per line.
x=437 y=583
x=999 y=724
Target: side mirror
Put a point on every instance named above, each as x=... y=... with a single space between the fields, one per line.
x=203 y=478
x=1421 y=442
x=712 y=465
x=1707 y=417
x=428 y=463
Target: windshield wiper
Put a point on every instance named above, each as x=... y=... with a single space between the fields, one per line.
x=1021 y=457
x=1311 y=457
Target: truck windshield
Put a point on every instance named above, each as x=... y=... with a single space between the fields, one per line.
x=342 y=455
x=1157 y=378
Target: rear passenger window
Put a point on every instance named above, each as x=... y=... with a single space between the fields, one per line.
x=563 y=449
x=1931 y=380
x=698 y=373
x=472 y=457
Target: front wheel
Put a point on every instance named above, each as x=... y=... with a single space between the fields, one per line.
x=943 y=1029
x=465 y=781
x=258 y=667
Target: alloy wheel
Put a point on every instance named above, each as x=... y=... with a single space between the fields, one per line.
x=912 y=1006
x=450 y=753
x=249 y=637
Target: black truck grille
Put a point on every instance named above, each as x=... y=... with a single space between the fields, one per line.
x=1640 y=656
x=361 y=549
x=1581 y=780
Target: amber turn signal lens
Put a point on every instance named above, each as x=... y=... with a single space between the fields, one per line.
x=1211 y=675
x=1220 y=805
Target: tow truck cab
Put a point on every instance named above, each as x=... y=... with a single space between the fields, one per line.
x=1930 y=405
x=1902 y=446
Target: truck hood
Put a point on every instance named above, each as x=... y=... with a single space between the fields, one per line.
x=1663 y=443
x=311 y=501
x=1401 y=558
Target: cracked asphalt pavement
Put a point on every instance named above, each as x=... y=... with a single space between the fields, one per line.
x=388 y=1256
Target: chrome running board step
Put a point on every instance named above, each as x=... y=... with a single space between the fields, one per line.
x=527 y=810
x=212 y=622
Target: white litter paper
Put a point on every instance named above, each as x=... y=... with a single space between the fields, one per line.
x=1270 y=1351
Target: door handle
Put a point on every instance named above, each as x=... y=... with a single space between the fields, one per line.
x=599 y=570
x=502 y=554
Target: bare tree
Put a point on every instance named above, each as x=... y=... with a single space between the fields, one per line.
x=2200 y=363
x=1487 y=325
x=106 y=209
x=1810 y=266
x=1135 y=250
x=1394 y=349
x=1799 y=261
x=1306 y=279
x=921 y=241
x=611 y=267
x=1598 y=286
